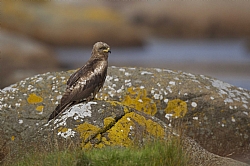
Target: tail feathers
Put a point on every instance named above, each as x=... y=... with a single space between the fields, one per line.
x=59 y=109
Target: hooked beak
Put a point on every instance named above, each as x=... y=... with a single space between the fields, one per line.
x=107 y=50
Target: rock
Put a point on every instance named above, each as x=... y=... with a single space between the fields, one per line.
x=190 y=19
x=23 y=57
x=202 y=106
x=69 y=24
x=135 y=103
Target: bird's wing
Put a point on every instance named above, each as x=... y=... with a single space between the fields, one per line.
x=75 y=76
x=85 y=81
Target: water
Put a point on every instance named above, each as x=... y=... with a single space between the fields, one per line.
x=227 y=60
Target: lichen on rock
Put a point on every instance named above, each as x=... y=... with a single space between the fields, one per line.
x=135 y=104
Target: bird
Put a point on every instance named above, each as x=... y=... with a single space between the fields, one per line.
x=86 y=82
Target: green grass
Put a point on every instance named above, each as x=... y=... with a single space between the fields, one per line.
x=156 y=153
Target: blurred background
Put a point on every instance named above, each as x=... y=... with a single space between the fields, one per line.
x=202 y=37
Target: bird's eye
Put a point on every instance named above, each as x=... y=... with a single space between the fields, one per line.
x=103 y=48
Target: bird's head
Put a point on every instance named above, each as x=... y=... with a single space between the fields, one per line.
x=101 y=49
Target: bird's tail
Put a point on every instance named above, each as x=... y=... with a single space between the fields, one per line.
x=59 y=109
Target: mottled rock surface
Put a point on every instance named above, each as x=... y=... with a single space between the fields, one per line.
x=135 y=103
x=22 y=57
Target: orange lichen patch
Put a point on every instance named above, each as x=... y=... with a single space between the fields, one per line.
x=12 y=138
x=152 y=127
x=62 y=129
x=137 y=98
x=155 y=129
x=120 y=134
x=224 y=121
x=126 y=110
x=114 y=103
x=39 y=108
x=87 y=131
x=176 y=107
x=108 y=121
x=33 y=99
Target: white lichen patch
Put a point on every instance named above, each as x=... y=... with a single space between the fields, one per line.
x=169 y=89
x=120 y=90
x=166 y=101
x=195 y=118
x=225 y=90
x=168 y=116
x=196 y=81
x=194 y=104
x=169 y=71
x=157 y=96
x=128 y=83
x=208 y=87
x=59 y=97
x=245 y=106
x=108 y=78
x=121 y=69
x=39 y=79
x=228 y=100
x=111 y=93
x=171 y=82
x=140 y=100
x=78 y=111
x=142 y=87
x=9 y=89
x=31 y=88
x=127 y=74
x=18 y=104
x=204 y=77
x=233 y=119
x=50 y=77
x=145 y=72
x=68 y=133
x=158 y=70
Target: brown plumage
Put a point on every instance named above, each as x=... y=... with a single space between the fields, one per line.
x=87 y=81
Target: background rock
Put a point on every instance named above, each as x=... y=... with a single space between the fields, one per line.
x=66 y=24
x=189 y=19
x=122 y=23
x=23 y=57
x=203 y=108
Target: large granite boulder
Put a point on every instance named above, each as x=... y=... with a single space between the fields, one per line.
x=135 y=104
x=22 y=57
x=69 y=24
